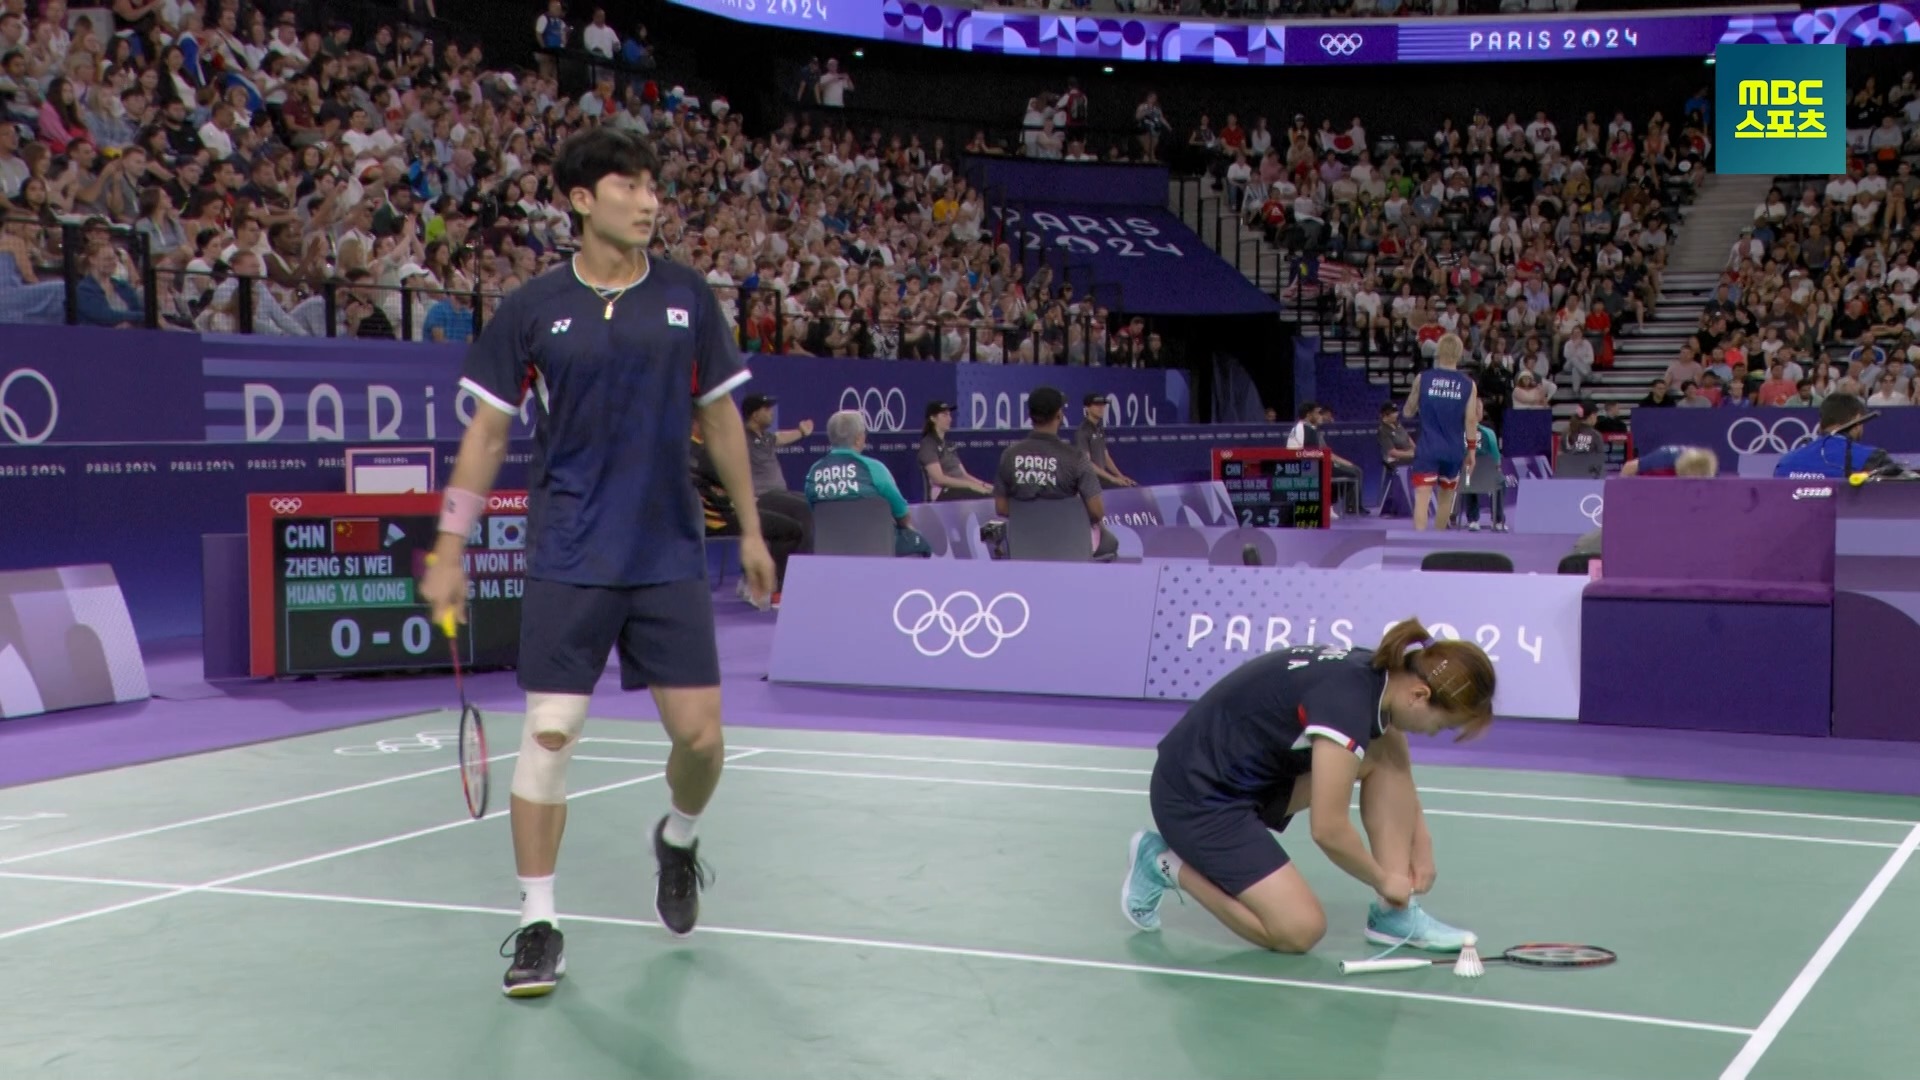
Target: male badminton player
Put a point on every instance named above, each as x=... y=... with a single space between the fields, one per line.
x=615 y=352
x=1294 y=730
x=1447 y=403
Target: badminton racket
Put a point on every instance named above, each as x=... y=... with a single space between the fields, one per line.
x=476 y=777
x=1537 y=954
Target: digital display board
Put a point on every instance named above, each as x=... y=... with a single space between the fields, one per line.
x=1110 y=36
x=1273 y=488
x=333 y=584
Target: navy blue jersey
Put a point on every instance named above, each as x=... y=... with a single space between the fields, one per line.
x=1250 y=736
x=1661 y=462
x=610 y=501
x=1443 y=414
x=1827 y=457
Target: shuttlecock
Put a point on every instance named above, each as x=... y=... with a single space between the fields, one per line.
x=1469 y=965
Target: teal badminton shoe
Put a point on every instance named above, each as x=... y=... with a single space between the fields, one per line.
x=1413 y=927
x=1145 y=884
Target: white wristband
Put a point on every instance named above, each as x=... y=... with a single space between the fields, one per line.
x=461 y=511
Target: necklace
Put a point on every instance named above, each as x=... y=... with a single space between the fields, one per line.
x=610 y=295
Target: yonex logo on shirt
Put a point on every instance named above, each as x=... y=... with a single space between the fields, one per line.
x=561 y=326
x=677 y=317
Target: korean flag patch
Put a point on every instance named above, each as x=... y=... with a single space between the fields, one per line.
x=677 y=317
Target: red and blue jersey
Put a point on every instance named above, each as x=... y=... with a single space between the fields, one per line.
x=610 y=500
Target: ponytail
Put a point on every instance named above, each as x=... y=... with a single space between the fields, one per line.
x=1457 y=672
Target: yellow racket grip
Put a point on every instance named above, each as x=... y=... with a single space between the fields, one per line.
x=446 y=620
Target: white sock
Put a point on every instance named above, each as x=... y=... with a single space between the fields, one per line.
x=536 y=901
x=1169 y=866
x=680 y=827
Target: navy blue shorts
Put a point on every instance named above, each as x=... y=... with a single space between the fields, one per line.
x=664 y=634
x=1443 y=473
x=1227 y=843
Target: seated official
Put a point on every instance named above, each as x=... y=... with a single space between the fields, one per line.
x=847 y=473
x=1836 y=451
x=783 y=534
x=947 y=478
x=1045 y=466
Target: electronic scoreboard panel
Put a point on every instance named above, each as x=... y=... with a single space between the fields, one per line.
x=333 y=582
x=1273 y=488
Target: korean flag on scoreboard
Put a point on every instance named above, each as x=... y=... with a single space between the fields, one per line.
x=507 y=532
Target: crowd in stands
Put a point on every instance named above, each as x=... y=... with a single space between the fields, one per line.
x=1249 y=9
x=403 y=187
x=1818 y=296
x=1538 y=244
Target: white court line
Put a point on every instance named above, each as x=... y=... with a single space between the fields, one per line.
x=243 y=812
x=1430 y=812
x=1424 y=790
x=1011 y=957
x=1802 y=985
x=310 y=860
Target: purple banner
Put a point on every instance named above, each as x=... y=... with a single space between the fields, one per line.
x=1587 y=36
x=939 y=624
x=1210 y=619
x=1353 y=43
x=77 y=385
x=1017 y=181
x=66 y=641
x=1750 y=439
x=61 y=384
x=993 y=397
x=1158 y=265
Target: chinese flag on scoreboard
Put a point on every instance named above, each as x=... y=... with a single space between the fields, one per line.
x=356 y=536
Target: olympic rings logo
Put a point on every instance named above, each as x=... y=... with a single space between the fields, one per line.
x=1777 y=439
x=424 y=742
x=1592 y=507
x=883 y=410
x=284 y=506
x=960 y=617
x=1341 y=44
x=13 y=423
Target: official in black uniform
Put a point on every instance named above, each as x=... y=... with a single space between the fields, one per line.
x=1295 y=729
x=1091 y=438
x=1044 y=466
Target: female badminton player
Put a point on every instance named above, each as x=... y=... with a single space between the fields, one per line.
x=1294 y=730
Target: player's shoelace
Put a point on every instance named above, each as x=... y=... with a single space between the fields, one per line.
x=681 y=870
x=529 y=946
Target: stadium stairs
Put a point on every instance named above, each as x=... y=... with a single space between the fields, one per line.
x=1702 y=238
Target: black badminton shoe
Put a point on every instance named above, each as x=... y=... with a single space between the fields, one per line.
x=681 y=877
x=539 y=960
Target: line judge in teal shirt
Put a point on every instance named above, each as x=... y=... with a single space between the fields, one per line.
x=847 y=473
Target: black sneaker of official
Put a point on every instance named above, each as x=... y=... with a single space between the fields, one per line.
x=677 y=900
x=539 y=960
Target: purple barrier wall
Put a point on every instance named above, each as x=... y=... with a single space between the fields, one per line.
x=1876 y=612
x=1727 y=529
x=1037 y=628
x=1209 y=619
x=1148 y=630
x=66 y=641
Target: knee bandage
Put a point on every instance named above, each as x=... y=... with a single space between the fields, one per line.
x=540 y=774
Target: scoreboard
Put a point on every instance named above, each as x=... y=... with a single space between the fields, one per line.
x=333 y=584
x=1272 y=488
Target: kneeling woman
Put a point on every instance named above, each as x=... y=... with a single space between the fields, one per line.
x=1294 y=730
